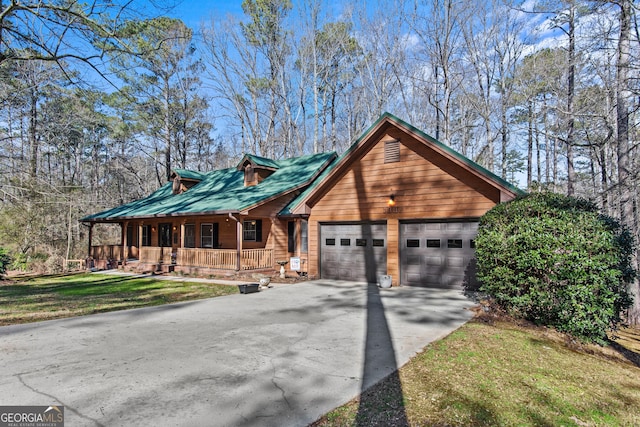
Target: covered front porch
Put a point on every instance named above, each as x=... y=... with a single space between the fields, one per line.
x=196 y=245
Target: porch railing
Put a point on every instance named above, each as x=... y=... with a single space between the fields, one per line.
x=156 y=254
x=253 y=259
x=113 y=252
x=106 y=252
x=225 y=259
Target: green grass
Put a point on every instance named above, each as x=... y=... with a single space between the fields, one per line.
x=43 y=298
x=499 y=373
x=489 y=372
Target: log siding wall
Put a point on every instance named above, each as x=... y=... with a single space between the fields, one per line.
x=423 y=189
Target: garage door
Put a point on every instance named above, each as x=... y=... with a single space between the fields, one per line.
x=438 y=254
x=356 y=252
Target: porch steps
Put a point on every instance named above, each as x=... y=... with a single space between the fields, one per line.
x=139 y=267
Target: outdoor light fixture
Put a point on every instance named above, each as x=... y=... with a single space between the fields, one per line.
x=392 y=201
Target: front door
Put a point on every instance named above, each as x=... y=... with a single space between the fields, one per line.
x=164 y=235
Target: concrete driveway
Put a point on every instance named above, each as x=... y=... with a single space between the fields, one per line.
x=281 y=357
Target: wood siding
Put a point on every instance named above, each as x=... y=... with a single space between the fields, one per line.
x=425 y=185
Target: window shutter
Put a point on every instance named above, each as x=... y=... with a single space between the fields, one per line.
x=216 y=232
x=291 y=234
x=258 y=230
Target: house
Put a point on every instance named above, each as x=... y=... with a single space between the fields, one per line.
x=396 y=203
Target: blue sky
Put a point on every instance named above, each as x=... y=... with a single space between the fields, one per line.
x=193 y=12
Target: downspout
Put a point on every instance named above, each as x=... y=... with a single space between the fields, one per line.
x=238 y=241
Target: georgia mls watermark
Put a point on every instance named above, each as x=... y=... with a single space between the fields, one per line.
x=31 y=416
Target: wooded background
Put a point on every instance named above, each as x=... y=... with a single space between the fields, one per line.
x=100 y=101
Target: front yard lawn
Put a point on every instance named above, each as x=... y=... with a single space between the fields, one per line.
x=44 y=298
x=501 y=373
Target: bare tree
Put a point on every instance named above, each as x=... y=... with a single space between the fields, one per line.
x=164 y=45
x=623 y=148
x=67 y=33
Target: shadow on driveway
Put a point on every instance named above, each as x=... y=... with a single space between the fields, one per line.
x=281 y=357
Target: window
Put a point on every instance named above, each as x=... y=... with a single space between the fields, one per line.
x=190 y=236
x=208 y=235
x=472 y=243
x=413 y=243
x=252 y=230
x=292 y=237
x=249 y=174
x=361 y=242
x=146 y=235
x=330 y=242
x=345 y=242
x=454 y=243
x=304 y=236
x=433 y=243
x=378 y=242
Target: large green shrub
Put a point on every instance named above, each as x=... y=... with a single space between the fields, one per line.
x=556 y=261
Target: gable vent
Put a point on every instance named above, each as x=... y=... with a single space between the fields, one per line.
x=392 y=151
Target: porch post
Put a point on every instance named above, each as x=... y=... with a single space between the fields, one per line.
x=125 y=242
x=182 y=241
x=393 y=249
x=238 y=241
x=90 y=239
x=297 y=235
x=239 y=245
x=140 y=227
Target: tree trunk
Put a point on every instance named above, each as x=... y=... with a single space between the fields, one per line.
x=623 y=94
x=571 y=173
x=33 y=135
x=530 y=145
x=167 y=130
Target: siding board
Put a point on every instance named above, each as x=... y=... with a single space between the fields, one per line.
x=424 y=183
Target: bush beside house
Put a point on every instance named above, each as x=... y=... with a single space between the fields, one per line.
x=556 y=261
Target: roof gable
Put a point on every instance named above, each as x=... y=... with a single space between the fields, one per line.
x=387 y=123
x=188 y=174
x=258 y=162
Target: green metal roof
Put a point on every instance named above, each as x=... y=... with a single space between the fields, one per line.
x=187 y=174
x=221 y=191
x=260 y=161
x=387 y=116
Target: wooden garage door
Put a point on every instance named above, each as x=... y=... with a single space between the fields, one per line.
x=356 y=252
x=438 y=254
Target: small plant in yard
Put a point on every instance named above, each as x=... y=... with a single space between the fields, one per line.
x=5 y=259
x=556 y=261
